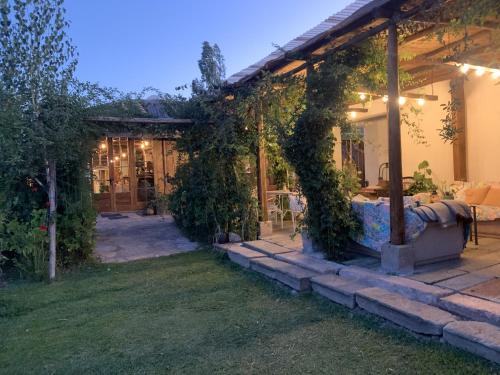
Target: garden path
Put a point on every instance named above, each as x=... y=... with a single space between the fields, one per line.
x=129 y=236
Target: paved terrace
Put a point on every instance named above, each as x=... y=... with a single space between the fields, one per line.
x=129 y=236
x=455 y=301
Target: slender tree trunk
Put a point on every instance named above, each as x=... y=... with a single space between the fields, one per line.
x=51 y=180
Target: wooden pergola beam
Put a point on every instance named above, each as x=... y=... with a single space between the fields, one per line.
x=397 y=222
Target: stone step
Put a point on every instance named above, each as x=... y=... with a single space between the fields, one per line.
x=480 y=338
x=242 y=255
x=308 y=262
x=224 y=247
x=266 y=248
x=411 y=289
x=472 y=307
x=293 y=276
x=337 y=289
x=415 y=316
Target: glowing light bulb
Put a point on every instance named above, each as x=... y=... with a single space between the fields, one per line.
x=464 y=68
x=480 y=71
x=402 y=100
x=124 y=155
x=142 y=145
x=117 y=158
x=495 y=74
x=362 y=95
x=103 y=146
x=421 y=102
x=353 y=114
x=146 y=143
x=385 y=98
x=246 y=127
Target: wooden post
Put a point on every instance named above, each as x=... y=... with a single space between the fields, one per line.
x=52 y=182
x=460 y=144
x=395 y=164
x=261 y=167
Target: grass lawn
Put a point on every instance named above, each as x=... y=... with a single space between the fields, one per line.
x=193 y=313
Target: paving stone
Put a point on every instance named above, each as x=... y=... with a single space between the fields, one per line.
x=412 y=289
x=415 y=316
x=305 y=261
x=473 y=308
x=337 y=289
x=489 y=290
x=464 y=281
x=295 y=277
x=242 y=255
x=480 y=338
x=224 y=247
x=267 y=248
x=432 y=277
x=493 y=271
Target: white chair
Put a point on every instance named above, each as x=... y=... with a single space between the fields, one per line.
x=274 y=208
x=297 y=206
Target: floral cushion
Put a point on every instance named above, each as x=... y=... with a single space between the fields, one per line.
x=375 y=219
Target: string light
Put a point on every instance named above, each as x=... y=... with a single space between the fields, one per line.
x=103 y=146
x=421 y=102
x=402 y=100
x=353 y=114
x=495 y=74
x=124 y=155
x=480 y=71
x=143 y=146
x=146 y=143
x=117 y=158
x=362 y=95
x=464 y=68
x=385 y=98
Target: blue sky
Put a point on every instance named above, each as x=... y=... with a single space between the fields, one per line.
x=132 y=44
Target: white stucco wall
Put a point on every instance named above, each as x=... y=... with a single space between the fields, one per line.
x=483 y=128
x=436 y=152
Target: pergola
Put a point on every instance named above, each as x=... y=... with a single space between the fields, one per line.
x=364 y=19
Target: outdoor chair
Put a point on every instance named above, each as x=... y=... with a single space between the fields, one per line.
x=297 y=206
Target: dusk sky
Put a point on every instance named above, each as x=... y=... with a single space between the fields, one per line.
x=132 y=44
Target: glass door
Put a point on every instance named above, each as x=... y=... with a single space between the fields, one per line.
x=101 y=188
x=121 y=174
x=144 y=171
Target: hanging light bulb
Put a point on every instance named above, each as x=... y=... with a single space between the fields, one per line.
x=495 y=74
x=385 y=98
x=402 y=100
x=246 y=127
x=146 y=143
x=117 y=158
x=143 y=146
x=103 y=146
x=421 y=102
x=353 y=114
x=124 y=155
x=480 y=71
x=362 y=95
x=464 y=68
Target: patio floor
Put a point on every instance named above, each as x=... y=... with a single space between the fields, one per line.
x=476 y=273
x=129 y=236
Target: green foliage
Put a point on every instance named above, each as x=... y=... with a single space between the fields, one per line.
x=25 y=243
x=213 y=191
x=212 y=69
x=422 y=180
x=43 y=112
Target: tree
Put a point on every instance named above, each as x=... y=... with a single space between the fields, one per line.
x=212 y=69
x=37 y=63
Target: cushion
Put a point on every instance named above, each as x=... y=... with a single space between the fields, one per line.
x=492 y=198
x=476 y=195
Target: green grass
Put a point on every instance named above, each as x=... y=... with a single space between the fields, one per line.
x=193 y=313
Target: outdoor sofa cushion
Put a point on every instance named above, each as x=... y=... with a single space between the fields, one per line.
x=476 y=195
x=492 y=198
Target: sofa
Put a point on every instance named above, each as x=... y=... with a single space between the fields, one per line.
x=485 y=196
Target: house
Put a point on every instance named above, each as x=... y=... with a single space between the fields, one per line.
x=135 y=159
x=389 y=145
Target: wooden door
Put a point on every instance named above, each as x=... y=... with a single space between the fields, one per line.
x=101 y=180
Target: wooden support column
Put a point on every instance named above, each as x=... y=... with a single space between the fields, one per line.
x=261 y=167
x=460 y=144
x=395 y=164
